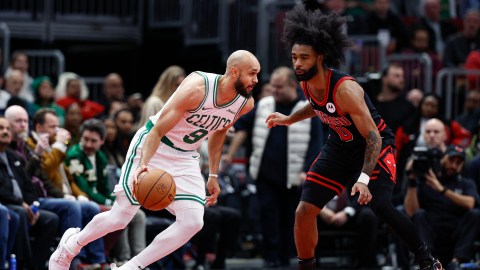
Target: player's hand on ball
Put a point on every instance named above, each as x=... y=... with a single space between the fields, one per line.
x=140 y=170
x=214 y=190
x=155 y=189
x=364 y=196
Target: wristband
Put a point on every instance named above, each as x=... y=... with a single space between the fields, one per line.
x=350 y=211
x=213 y=175
x=364 y=178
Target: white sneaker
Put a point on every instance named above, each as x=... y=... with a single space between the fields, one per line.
x=124 y=266
x=62 y=257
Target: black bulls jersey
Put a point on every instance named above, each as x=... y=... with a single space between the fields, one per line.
x=342 y=129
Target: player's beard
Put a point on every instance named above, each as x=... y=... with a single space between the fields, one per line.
x=308 y=74
x=241 y=89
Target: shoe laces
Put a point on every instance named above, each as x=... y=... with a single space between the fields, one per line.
x=436 y=265
x=63 y=256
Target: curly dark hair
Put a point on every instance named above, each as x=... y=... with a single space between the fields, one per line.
x=322 y=31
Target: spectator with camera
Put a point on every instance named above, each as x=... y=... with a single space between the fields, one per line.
x=411 y=133
x=428 y=157
x=442 y=203
x=425 y=157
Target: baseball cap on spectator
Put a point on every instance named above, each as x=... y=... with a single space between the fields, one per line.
x=455 y=151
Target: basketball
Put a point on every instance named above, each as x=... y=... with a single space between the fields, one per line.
x=155 y=189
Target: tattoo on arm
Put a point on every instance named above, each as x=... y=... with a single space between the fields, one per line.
x=374 y=143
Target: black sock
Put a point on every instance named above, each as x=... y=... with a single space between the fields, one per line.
x=307 y=264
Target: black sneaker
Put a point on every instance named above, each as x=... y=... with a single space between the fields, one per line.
x=425 y=259
x=433 y=265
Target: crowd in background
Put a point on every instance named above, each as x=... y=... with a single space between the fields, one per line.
x=64 y=150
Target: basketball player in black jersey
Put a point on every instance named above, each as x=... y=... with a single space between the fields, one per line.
x=359 y=145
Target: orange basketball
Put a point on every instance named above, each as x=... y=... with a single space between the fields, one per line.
x=155 y=189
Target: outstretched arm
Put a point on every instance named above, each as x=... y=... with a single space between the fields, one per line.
x=215 y=146
x=278 y=119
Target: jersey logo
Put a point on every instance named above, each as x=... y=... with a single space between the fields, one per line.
x=76 y=167
x=330 y=107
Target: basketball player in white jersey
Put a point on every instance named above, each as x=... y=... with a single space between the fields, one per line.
x=204 y=105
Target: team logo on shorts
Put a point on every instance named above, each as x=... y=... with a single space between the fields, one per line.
x=330 y=107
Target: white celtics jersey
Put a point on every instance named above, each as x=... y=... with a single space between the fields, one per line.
x=196 y=125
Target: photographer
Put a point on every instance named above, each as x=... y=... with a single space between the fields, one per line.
x=441 y=204
x=425 y=157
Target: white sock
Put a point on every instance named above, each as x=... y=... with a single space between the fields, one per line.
x=132 y=264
